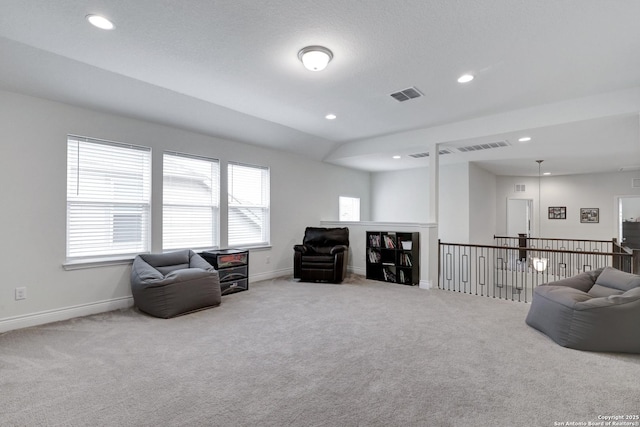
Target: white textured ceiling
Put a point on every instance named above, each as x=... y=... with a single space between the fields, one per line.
x=564 y=72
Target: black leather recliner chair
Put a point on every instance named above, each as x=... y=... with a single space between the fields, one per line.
x=322 y=256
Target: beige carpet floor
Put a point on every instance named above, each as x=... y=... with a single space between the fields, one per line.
x=285 y=353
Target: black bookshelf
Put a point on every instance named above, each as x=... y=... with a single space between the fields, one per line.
x=393 y=257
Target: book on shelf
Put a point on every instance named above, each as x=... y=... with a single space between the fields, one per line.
x=389 y=242
x=405 y=259
x=374 y=256
x=388 y=275
x=374 y=240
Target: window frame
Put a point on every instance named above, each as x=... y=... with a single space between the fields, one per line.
x=214 y=205
x=92 y=209
x=264 y=207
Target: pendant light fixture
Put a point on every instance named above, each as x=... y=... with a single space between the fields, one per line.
x=315 y=58
x=540 y=264
x=539 y=162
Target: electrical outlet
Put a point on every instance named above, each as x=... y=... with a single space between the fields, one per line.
x=21 y=293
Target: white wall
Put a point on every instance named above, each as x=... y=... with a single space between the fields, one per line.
x=505 y=189
x=631 y=208
x=575 y=192
x=453 y=208
x=400 y=196
x=33 y=217
x=473 y=202
x=482 y=206
x=403 y=196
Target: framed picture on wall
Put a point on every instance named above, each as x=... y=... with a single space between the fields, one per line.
x=557 y=212
x=589 y=215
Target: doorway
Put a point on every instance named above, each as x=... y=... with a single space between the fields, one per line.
x=519 y=216
x=628 y=221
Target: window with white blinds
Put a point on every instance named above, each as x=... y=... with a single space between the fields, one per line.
x=248 y=188
x=191 y=200
x=108 y=198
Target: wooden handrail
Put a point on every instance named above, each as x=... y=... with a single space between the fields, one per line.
x=551 y=238
x=525 y=248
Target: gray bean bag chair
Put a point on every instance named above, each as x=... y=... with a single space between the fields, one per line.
x=169 y=284
x=596 y=311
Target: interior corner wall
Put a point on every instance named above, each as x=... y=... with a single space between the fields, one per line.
x=573 y=192
x=33 y=138
x=403 y=196
x=400 y=196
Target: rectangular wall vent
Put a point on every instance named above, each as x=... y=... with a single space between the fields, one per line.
x=419 y=155
x=406 y=94
x=635 y=183
x=480 y=147
x=520 y=188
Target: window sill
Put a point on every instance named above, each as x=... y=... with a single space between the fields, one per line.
x=96 y=262
x=124 y=260
x=254 y=248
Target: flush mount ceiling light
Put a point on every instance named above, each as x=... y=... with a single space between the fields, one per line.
x=396 y=157
x=100 y=22
x=315 y=58
x=465 y=78
x=525 y=139
x=330 y=117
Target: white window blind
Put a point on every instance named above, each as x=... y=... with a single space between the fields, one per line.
x=349 y=208
x=248 y=205
x=108 y=198
x=191 y=200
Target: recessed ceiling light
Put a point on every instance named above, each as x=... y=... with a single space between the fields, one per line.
x=330 y=117
x=465 y=78
x=525 y=139
x=396 y=157
x=100 y=22
x=547 y=173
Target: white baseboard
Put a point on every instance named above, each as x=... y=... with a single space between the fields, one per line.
x=34 y=319
x=65 y=313
x=357 y=270
x=425 y=284
x=268 y=275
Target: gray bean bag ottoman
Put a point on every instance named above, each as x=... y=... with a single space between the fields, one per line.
x=174 y=283
x=596 y=311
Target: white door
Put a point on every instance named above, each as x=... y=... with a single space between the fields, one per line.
x=519 y=216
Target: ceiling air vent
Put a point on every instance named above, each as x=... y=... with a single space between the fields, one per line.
x=406 y=94
x=480 y=147
x=635 y=183
x=419 y=155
